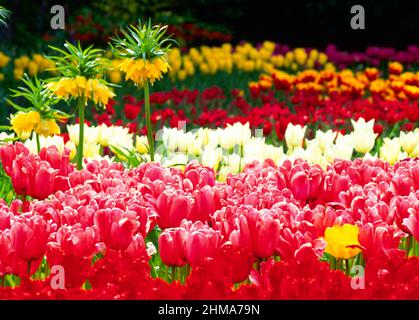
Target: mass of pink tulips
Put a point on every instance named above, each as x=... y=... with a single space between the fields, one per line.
x=153 y=232
x=145 y=158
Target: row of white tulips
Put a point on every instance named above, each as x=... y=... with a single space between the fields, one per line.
x=230 y=149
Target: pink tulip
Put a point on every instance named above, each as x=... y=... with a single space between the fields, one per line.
x=172 y=207
x=8 y=154
x=29 y=237
x=77 y=241
x=57 y=161
x=257 y=230
x=199 y=176
x=172 y=246
x=403 y=183
x=204 y=205
x=201 y=244
x=300 y=186
x=402 y=207
x=137 y=248
x=116 y=227
x=410 y=223
x=7 y=254
x=376 y=239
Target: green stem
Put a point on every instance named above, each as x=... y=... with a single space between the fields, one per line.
x=415 y=247
x=166 y=276
x=408 y=245
x=331 y=262
x=38 y=143
x=347 y=267
x=148 y=120
x=362 y=260
x=187 y=271
x=81 y=107
x=339 y=264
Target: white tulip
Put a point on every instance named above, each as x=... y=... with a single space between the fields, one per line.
x=390 y=151
x=211 y=157
x=294 y=135
x=363 y=136
x=409 y=141
x=325 y=139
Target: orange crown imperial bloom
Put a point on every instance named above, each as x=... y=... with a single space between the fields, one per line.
x=342 y=241
x=139 y=70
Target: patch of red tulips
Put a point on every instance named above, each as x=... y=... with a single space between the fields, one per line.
x=265 y=110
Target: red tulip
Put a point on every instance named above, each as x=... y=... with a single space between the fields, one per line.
x=401 y=207
x=201 y=244
x=412 y=222
x=29 y=237
x=403 y=183
x=33 y=177
x=300 y=186
x=257 y=230
x=77 y=241
x=131 y=111
x=172 y=246
x=199 y=175
x=7 y=254
x=8 y=154
x=74 y=249
x=377 y=239
x=116 y=227
x=204 y=205
x=172 y=207
x=57 y=161
x=137 y=248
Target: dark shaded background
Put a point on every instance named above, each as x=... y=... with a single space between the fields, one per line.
x=317 y=23
x=297 y=23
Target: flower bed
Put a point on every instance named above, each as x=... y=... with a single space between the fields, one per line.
x=250 y=172
x=272 y=229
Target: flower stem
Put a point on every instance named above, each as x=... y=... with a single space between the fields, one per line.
x=148 y=120
x=81 y=133
x=408 y=245
x=38 y=143
x=347 y=267
x=332 y=263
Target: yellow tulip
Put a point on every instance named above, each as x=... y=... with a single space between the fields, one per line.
x=322 y=59
x=342 y=241
x=181 y=75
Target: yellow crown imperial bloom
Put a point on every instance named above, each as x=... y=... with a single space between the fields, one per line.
x=342 y=241
x=47 y=127
x=141 y=70
x=24 y=123
x=79 y=86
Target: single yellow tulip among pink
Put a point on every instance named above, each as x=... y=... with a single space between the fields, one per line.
x=342 y=241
